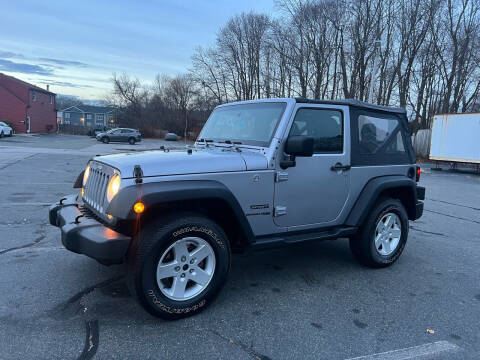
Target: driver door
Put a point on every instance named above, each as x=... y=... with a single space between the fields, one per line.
x=314 y=191
x=116 y=135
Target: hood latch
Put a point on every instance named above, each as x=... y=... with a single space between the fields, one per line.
x=138 y=174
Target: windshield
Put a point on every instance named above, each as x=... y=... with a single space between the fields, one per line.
x=249 y=124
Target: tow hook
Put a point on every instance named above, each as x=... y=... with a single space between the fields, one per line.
x=78 y=217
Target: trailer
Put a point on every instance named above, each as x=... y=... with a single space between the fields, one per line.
x=456 y=139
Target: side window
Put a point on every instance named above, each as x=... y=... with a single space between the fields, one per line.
x=374 y=132
x=324 y=125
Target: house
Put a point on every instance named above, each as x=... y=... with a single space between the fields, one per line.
x=87 y=115
x=28 y=108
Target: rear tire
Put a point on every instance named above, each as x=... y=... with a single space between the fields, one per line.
x=381 y=239
x=105 y=140
x=131 y=141
x=158 y=262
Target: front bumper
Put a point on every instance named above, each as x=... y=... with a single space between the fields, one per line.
x=85 y=235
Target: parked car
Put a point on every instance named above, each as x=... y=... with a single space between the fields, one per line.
x=5 y=130
x=171 y=137
x=131 y=136
x=262 y=174
x=97 y=130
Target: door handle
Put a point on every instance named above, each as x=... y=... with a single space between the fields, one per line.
x=338 y=167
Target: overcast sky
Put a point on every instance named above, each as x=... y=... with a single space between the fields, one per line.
x=76 y=46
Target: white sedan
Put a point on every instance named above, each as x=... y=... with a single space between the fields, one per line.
x=5 y=130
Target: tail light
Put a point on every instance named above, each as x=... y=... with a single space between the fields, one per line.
x=417 y=175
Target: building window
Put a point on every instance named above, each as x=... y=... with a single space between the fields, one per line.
x=100 y=118
x=89 y=116
x=67 y=115
x=51 y=99
x=34 y=96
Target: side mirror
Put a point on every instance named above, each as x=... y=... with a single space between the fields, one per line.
x=299 y=146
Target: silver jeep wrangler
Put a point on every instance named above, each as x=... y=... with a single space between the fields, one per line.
x=262 y=174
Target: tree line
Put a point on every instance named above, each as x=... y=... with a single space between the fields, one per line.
x=423 y=55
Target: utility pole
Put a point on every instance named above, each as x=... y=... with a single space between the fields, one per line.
x=373 y=78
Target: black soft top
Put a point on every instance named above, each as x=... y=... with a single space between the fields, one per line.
x=356 y=103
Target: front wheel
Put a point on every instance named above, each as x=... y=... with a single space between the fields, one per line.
x=105 y=140
x=383 y=236
x=1 y=134
x=178 y=266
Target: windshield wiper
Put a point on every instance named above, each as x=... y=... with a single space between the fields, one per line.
x=205 y=140
x=231 y=142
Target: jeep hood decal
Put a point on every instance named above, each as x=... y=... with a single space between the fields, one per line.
x=159 y=162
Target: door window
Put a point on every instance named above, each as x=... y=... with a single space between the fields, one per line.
x=324 y=125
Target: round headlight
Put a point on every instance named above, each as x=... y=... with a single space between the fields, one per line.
x=86 y=174
x=113 y=186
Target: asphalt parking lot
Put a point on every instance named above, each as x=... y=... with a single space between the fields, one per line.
x=306 y=302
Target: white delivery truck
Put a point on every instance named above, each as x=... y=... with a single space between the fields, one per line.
x=456 y=138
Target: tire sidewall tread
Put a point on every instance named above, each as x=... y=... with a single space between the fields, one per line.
x=363 y=246
x=150 y=244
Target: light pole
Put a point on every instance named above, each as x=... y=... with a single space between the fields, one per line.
x=378 y=46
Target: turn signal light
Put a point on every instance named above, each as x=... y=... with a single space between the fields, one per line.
x=139 y=207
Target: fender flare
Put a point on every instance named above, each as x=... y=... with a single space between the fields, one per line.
x=372 y=191
x=156 y=193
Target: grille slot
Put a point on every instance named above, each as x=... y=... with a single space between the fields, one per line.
x=96 y=188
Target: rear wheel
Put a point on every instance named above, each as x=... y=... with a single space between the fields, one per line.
x=105 y=140
x=383 y=236
x=178 y=266
x=131 y=141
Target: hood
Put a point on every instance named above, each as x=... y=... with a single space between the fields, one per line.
x=159 y=162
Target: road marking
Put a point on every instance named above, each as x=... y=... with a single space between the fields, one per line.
x=413 y=352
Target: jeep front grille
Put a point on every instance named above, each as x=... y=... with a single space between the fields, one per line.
x=96 y=187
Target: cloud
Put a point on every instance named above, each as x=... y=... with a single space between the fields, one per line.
x=64 y=62
x=8 y=55
x=7 y=65
x=64 y=83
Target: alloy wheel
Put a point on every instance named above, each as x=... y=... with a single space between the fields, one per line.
x=387 y=234
x=186 y=268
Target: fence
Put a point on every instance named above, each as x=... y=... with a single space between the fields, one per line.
x=421 y=143
x=74 y=129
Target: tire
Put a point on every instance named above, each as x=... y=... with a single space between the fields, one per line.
x=157 y=243
x=1 y=134
x=11 y=133
x=131 y=141
x=390 y=243
x=105 y=140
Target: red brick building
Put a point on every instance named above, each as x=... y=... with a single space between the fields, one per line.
x=28 y=108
